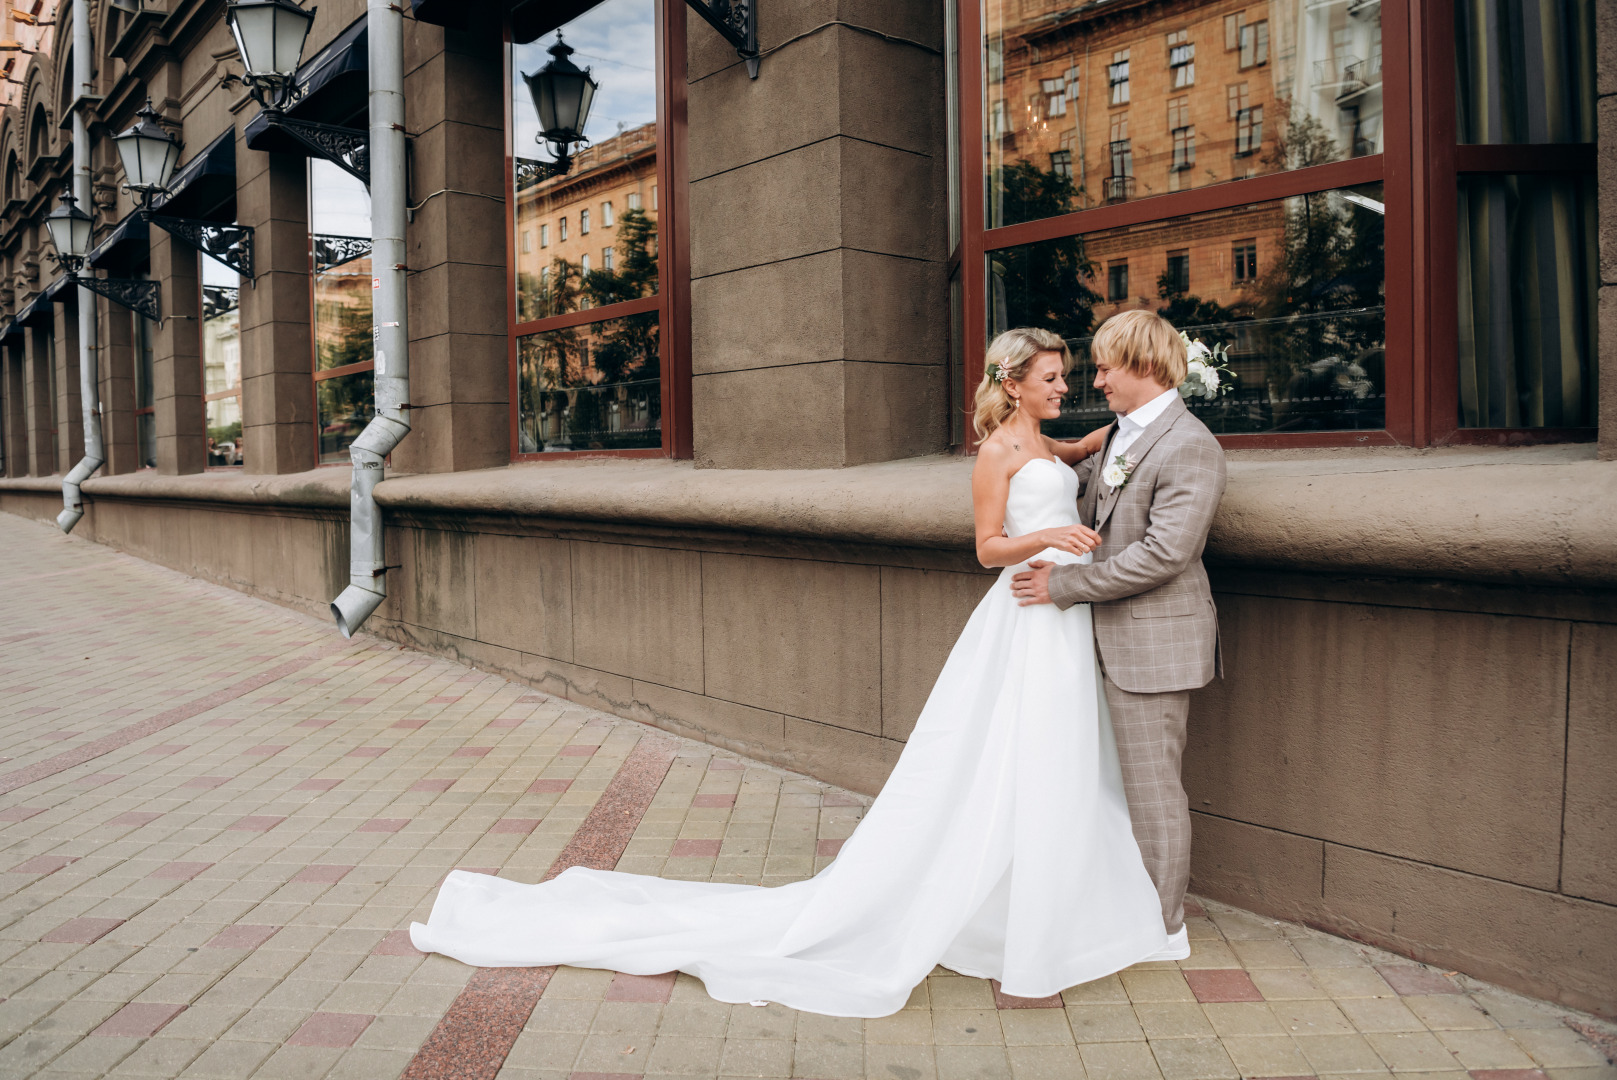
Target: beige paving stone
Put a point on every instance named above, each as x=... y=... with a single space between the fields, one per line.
x=911 y=1062
x=1045 y=1063
x=677 y=1055
x=1447 y=1012
x=1489 y=1048
x=1156 y=985
x=1035 y=1027
x=1412 y=1051
x=1104 y=1023
x=1119 y=1060
x=1307 y=1017
x=1193 y=1059
x=1210 y=954
x=966 y=1026
x=163 y=1056
x=1259 y=953
x=229 y=1060
x=1172 y=1020
x=1350 y=982
x=1266 y=1055
x=1379 y=1014
x=369 y=1063
x=770 y=1021
x=959 y=1062
x=614 y=1053
x=1558 y=1047
x=1340 y=1054
x=1107 y=991
x=828 y=1060
x=1243 y=1018
x=907 y=1026
x=756 y=1057
x=958 y=992
x=1606 y=1072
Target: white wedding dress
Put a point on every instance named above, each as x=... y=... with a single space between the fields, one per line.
x=1000 y=846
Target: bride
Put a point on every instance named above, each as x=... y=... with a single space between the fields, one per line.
x=1000 y=846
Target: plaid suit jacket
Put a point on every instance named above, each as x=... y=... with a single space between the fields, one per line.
x=1155 y=624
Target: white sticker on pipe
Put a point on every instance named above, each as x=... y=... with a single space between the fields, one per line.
x=381 y=362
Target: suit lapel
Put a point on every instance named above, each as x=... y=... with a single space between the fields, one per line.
x=1092 y=494
x=1136 y=453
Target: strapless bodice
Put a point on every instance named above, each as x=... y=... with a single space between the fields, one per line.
x=1043 y=495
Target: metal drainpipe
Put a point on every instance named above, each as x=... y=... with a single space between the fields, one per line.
x=89 y=380
x=367 y=587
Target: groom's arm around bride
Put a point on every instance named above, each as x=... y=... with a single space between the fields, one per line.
x=1151 y=495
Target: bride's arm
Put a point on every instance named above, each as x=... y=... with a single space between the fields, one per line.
x=1071 y=453
x=990 y=487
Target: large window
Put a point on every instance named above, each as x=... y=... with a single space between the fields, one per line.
x=221 y=362
x=1372 y=288
x=594 y=365
x=340 y=272
x=145 y=393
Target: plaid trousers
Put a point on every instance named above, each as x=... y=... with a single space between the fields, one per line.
x=1150 y=733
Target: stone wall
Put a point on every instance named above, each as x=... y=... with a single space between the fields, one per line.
x=1420 y=759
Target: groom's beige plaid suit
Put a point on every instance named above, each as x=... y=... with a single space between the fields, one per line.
x=1155 y=625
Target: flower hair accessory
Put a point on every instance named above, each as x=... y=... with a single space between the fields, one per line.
x=999 y=372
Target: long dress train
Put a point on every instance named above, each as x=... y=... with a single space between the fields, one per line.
x=1000 y=846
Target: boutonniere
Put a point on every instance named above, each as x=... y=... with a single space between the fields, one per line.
x=1116 y=475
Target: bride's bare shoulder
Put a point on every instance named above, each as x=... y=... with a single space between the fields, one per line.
x=994 y=457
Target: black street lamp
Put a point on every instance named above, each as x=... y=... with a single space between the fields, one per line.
x=269 y=41
x=148 y=153
x=69 y=229
x=562 y=95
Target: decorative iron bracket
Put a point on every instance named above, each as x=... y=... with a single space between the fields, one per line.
x=737 y=22
x=136 y=294
x=230 y=244
x=346 y=148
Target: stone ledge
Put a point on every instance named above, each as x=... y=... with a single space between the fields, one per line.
x=1527 y=515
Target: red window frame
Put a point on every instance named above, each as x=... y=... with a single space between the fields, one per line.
x=672 y=301
x=1418 y=168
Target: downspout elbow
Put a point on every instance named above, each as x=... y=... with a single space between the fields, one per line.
x=72 y=499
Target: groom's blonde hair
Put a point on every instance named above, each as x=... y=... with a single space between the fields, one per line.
x=1141 y=343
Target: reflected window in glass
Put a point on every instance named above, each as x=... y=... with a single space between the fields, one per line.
x=340 y=256
x=221 y=363
x=591 y=387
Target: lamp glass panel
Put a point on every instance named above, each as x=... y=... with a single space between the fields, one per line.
x=254 y=27
x=291 y=29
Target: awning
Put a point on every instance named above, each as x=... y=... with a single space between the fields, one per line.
x=205 y=187
x=11 y=330
x=333 y=88
x=529 y=18
x=40 y=310
x=126 y=245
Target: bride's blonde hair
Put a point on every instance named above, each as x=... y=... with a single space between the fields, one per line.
x=1008 y=356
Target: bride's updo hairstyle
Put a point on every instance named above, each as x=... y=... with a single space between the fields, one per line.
x=1007 y=359
x=1142 y=343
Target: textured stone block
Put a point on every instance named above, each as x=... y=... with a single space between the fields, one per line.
x=640 y=608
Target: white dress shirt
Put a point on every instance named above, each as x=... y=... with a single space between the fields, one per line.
x=1130 y=425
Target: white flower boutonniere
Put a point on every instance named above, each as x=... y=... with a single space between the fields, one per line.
x=1117 y=474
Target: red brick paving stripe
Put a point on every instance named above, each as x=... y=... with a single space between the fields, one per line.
x=135 y=818
x=649 y=988
x=1409 y=979
x=713 y=800
x=473 y=1039
x=1222 y=984
x=707 y=849
x=95 y=748
x=322 y=874
x=411 y=723
x=82 y=931
x=43 y=864
x=1193 y=909
x=241 y=936
x=179 y=871
x=138 y=1020
x=332 y=1030
x=1002 y=1000
x=20 y=813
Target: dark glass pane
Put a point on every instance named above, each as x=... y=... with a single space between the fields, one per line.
x=593 y=387
x=344 y=405
x=1525 y=71
x=1093 y=103
x=1295 y=288
x=221 y=362
x=607 y=200
x=1527 y=285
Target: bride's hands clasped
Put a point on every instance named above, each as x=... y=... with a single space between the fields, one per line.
x=1078 y=539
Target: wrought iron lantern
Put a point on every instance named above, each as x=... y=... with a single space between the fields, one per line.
x=148 y=153
x=562 y=95
x=269 y=38
x=69 y=229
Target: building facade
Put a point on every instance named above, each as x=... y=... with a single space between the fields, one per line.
x=688 y=436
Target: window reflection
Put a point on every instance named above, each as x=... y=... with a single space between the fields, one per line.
x=1295 y=288
x=1273 y=87
x=340 y=253
x=221 y=362
x=611 y=255
x=592 y=387
x=145 y=397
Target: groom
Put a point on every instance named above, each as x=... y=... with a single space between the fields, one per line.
x=1151 y=494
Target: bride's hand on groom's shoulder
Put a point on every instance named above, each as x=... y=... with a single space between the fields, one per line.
x=1094 y=442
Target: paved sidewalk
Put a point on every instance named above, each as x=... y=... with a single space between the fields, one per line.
x=216 y=817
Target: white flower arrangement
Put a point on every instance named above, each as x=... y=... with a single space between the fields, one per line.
x=998 y=372
x=1208 y=373
x=1116 y=474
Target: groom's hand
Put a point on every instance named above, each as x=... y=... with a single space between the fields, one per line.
x=1032 y=586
